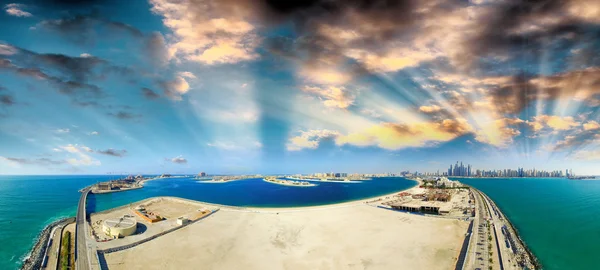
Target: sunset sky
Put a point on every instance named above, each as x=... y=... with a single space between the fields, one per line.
x=228 y=87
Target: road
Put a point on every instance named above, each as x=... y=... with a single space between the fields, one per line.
x=478 y=256
x=82 y=260
x=51 y=250
x=498 y=219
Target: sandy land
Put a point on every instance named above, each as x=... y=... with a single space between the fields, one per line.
x=351 y=235
x=168 y=208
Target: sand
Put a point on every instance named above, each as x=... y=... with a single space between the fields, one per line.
x=345 y=236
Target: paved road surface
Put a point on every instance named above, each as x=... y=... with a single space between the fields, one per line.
x=82 y=261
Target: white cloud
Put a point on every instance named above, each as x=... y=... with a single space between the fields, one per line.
x=237 y=146
x=310 y=139
x=82 y=159
x=16 y=10
x=187 y=74
x=210 y=32
x=62 y=130
x=333 y=96
x=93 y=133
x=7 y=49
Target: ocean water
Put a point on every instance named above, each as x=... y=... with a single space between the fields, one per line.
x=559 y=219
x=29 y=203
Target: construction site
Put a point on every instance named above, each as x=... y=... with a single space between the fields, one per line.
x=436 y=201
x=145 y=219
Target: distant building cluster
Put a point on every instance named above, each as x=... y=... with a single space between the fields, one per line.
x=468 y=171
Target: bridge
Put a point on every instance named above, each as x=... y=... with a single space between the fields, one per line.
x=82 y=261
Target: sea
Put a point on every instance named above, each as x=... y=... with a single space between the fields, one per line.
x=29 y=203
x=558 y=218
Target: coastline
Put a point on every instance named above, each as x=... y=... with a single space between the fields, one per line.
x=532 y=259
x=39 y=244
x=33 y=259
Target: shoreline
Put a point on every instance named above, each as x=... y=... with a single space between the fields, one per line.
x=33 y=259
x=44 y=234
x=534 y=260
x=531 y=256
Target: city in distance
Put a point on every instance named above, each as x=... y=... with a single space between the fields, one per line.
x=322 y=134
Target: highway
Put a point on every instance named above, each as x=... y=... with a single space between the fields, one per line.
x=82 y=261
x=478 y=256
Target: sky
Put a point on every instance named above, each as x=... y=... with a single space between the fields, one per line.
x=252 y=86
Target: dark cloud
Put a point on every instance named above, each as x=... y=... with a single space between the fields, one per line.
x=125 y=115
x=6 y=100
x=156 y=49
x=89 y=29
x=112 y=152
x=524 y=89
x=70 y=74
x=37 y=161
x=149 y=93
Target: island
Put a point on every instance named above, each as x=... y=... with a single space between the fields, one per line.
x=225 y=178
x=127 y=183
x=292 y=183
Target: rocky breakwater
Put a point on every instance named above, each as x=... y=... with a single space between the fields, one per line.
x=37 y=253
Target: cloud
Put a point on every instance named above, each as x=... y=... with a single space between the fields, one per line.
x=333 y=97
x=37 y=161
x=94 y=133
x=70 y=75
x=112 y=152
x=156 y=49
x=371 y=113
x=123 y=115
x=16 y=10
x=62 y=130
x=87 y=29
x=499 y=132
x=81 y=159
x=210 y=32
x=6 y=98
x=149 y=93
x=553 y=122
x=591 y=125
x=310 y=139
x=6 y=49
x=587 y=155
x=187 y=74
x=231 y=146
x=391 y=136
x=223 y=145
x=430 y=109
x=394 y=136
x=178 y=160
x=175 y=88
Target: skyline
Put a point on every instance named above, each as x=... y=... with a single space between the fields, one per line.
x=244 y=87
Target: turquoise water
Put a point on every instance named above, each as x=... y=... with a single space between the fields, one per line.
x=559 y=219
x=29 y=203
